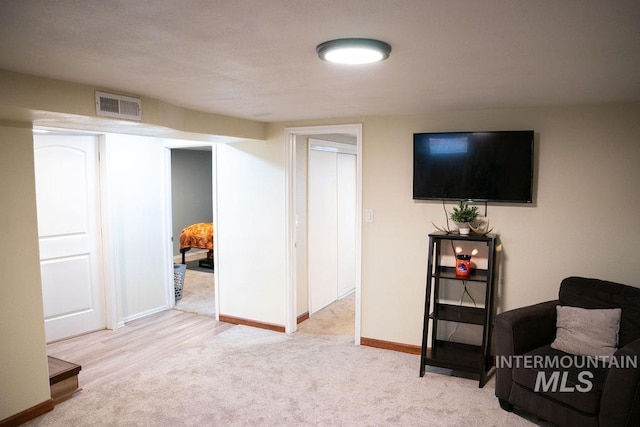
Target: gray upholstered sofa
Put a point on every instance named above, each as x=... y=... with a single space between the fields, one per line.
x=561 y=387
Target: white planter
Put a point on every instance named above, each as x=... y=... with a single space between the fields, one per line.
x=463 y=228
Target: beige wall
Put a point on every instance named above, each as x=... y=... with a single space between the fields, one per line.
x=584 y=221
x=56 y=103
x=251 y=231
x=24 y=379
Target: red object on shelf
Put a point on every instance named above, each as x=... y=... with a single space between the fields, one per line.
x=463 y=265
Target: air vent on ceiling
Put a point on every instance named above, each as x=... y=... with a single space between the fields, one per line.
x=117 y=106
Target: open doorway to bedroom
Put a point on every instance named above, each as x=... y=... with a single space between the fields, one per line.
x=192 y=229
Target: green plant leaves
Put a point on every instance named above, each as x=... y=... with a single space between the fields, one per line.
x=464 y=213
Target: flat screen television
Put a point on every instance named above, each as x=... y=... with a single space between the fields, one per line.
x=478 y=166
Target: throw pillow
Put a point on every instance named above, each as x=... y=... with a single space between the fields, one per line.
x=589 y=332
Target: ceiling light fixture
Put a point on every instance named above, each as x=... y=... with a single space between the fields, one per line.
x=353 y=51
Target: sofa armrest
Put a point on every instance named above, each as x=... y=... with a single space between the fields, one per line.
x=520 y=331
x=620 y=402
x=524 y=329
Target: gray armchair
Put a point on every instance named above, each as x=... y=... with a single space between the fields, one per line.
x=582 y=390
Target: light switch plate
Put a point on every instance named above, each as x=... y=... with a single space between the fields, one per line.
x=368 y=215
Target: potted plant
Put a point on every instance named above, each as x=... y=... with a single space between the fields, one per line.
x=463 y=215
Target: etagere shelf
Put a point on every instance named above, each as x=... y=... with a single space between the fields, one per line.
x=444 y=353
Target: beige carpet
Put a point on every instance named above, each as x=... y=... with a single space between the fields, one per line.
x=253 y=377
x=335 y=322
x=197 y=293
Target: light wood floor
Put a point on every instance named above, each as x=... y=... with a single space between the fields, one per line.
x=108 y=355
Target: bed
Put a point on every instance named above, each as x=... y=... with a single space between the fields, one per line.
x=198 y=236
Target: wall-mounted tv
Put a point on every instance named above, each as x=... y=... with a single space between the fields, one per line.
x=478 y=166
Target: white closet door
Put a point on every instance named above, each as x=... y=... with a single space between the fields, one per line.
x=346 y=208
x=66 y=169
x=322 y=230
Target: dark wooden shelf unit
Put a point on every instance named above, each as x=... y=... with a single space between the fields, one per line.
x=450 y=273
x=471 y=359
x=455 y=356
x=456 y=313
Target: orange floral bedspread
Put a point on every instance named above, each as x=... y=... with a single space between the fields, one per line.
x=197 y=236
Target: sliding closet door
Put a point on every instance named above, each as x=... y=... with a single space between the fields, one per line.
x=322 y=230
x=346 y=222
x=331 y=226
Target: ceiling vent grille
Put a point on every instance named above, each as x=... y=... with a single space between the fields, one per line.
x=117 y=106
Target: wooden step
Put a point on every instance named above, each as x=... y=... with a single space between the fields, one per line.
x=63 y=379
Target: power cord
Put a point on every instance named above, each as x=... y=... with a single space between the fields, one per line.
x=464 y=291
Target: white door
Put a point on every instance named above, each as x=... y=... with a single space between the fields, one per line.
x=331 y=226
x=67 y=190
x=346 y=197
x=322 y=230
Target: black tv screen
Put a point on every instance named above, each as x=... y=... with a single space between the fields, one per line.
x=479 y=166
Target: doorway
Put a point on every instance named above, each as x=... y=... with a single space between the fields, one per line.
x=331 y=202
x=192 y=204
x=297 y=287
x=133 y=222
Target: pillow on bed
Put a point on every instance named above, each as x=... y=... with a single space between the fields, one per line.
x=589 y=332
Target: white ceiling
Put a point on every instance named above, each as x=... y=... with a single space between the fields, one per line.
x=256 y=59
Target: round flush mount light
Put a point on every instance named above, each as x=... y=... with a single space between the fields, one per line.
x=353 y=51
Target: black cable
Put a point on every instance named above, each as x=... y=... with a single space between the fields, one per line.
x=466 y=291
x=464 y=282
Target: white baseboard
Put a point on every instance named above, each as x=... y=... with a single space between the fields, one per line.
x=144 y=314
